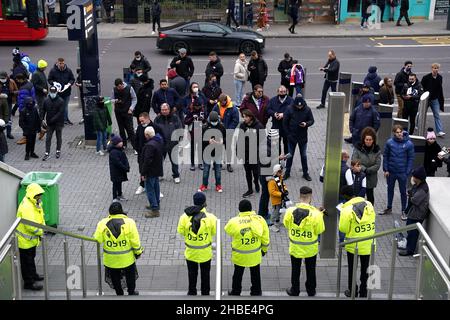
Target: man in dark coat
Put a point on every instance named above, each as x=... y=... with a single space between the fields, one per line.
x=257 y=102
x=432 y=82
x=144 y=96
x=230 y=13
x=276 y=109
x=30 y=123
x=141 y=62
x=40 y=84
x=183 y=66
x=165 y=95
x=364 y=115
x=151 y=168
x=124 y=103
x=284 y=68
x=156 y=15
x=257 y=67
x=118 y=166
x=214 y=66
x=411 y=96
x=296 y=121
x=401 y=78
x=331 y=69
x=404 y=7
x=53 y=114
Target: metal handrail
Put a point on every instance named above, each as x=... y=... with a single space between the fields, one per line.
x=440 y=262
x=218 y=292
x=57 y=231
x=9 y=233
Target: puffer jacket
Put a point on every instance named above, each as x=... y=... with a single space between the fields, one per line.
x=398 y=155
x=373 y=78
x=230 y=118
x=418 y=202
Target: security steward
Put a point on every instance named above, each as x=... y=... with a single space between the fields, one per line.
x=303 y=223
x=30 y=237
x=357 y=220
x=198 y=227
x=250 y=242
x=121 y=248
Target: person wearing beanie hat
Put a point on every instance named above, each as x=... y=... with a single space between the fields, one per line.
x=278 y=196
x=418 y=208
x=121 y=247
x=373 y=78
x=304 y=223
x=3 y=142
x=357 y=220
x=212 y=150
x=250 y=241
x=30 y=123
x=198 y=228
x=118 y=166
x=363 y=116
x=432 y=160
x=296 y=121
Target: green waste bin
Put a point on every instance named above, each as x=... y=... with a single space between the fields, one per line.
x=108 y=104
x=50 y=198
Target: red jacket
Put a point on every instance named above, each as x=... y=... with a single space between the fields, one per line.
x=250 y=104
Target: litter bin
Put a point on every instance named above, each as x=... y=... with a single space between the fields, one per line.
x=108 y=104
x=50 y=198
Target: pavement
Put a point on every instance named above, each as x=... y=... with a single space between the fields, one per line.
x=304 y=30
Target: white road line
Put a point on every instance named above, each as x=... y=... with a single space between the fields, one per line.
x=410 y=45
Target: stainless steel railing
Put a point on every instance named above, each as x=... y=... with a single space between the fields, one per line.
x=218 y=261
x=425 y=244
x=11 y=238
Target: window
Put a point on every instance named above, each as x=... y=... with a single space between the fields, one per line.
x=191 y=28
x=354 y=5
x=14 y=9
x=211 y=28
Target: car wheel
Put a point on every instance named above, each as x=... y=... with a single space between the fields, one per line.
x=247 y=47
x=178 y=45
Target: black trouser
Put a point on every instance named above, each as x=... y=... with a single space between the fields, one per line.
x=40 y=102
x=285 y=145
x=194 y=146
x=288 y=86
x=403 y=13
x=130 y=276
x=410 y=113
x=31 y=142
x=117 y=189
x=255 y=276
x=125 y=123
x=230 y=17
x=326 y=85
x=254 y=83
x=173 y=162
x=205 y=268
x=364 y=276
x=310 y=283
x=156 y=20
x=413 y=236
x=48 y=141
x=294 y=23
x=263 y=209
x=27 y=265
x=252 y=170
x=370 y=196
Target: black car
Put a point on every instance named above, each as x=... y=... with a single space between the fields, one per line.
x=208 y=36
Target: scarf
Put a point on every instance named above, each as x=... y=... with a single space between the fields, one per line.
x=295 y=73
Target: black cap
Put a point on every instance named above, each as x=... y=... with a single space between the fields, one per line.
x=245 y=206
x=347 y=192
x=305 y=190
x=199 y=198
x=116 y=208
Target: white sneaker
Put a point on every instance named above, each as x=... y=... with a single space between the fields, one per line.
x=135 y=153
x=100 y=153
x=140 y=190
x=177 y=180
x=441 y=134
x=274 y=228
x=153 y=32
x=161 y=195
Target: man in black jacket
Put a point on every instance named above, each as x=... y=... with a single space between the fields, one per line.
x=296 y=121
x=331 y=69
x=39 y=80
x=432 y=82
x=284 y=68
x=140 y=140
x=183 y=66
x=30 y=123
x=276 y=109
x=214 y=66
x=156 y=15
x=166 y=123
x=64 y=76
x=411 y=95
x=144 y=96
x=124 y=103
x=404 y=7
x=141 y=62
x=53 y=114
x=151 y=169
x=401 y=78
x=258 y=70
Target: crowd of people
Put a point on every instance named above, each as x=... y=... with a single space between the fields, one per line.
x=202 y=109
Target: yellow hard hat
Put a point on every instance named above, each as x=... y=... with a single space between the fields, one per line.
x=42 y=64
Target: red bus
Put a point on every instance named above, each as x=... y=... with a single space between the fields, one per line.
x=22 y=20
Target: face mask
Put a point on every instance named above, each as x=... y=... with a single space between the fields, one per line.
x=52 y=95
x=144 y=125
x=407 y=69
x=138 y=74
x=282 y=96
x=195 y=90
x=411 y=82
x=3 y=80
x=138 y=58
x=413 y=182
x=214 y=123
x=38 y=202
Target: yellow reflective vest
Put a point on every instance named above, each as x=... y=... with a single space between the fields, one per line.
x=198 y=245
x=28 y=236
x=303 y=232
x=250 y=235
x=120 y=239
x=357 y=221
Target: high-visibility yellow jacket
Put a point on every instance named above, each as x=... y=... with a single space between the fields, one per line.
x=250 y=235
x=357 y=221
x=198 y=227
x=303 y=226
x=28 y=236
x=120 y=239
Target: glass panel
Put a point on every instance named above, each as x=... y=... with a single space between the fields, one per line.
x=6 y=276
x=354 y=5
x=191 y=28
x=14 y=9
x=433 y=285
x=211 y=28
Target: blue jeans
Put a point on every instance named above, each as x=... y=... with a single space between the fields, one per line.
x=66 y=107
x=413 y=236
x=217 y=173
x=239 y=90
x=2 y=158
x=401 y=178
x=292 y=145
x=326 y=85
x=101 y=140
x=298 y=89
x=152 y=189
x=434 y=104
